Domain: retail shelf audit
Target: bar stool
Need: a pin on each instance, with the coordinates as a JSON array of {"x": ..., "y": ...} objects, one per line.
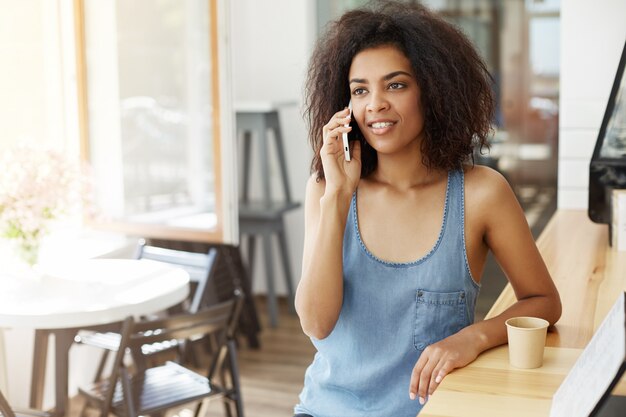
[{"x": 265, "y": 218}]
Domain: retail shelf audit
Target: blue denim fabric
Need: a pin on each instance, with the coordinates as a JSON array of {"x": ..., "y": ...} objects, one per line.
[{"x": 390, "y": 313}]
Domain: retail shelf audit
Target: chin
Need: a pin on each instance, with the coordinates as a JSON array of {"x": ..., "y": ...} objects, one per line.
[
  {"x": 386, "y": 148},
  {"x": 391, "y": 146}
]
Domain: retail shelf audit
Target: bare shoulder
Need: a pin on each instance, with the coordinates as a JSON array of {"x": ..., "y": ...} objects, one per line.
[
  {"x": 314, "y": 192},
  {"x": 491, "y": 203},
  {"x": 485, "y": 186},
  {"x": 315, "y": 188}
]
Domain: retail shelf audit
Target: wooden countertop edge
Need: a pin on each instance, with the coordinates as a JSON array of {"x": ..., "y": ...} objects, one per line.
[{"x": 507, "y": 296}]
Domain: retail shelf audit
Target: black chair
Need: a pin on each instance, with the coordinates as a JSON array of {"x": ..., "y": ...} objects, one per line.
[
  {"x": 144, "y": 390},
  {"x": 229, "y": 273},
  {"x": 201, "y": 269},
  {"x": 199, "y": 266},
  {"x": 7, "y": 411}
]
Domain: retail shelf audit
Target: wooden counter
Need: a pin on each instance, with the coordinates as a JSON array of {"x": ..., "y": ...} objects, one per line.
[{"x": 589, "y": 276}]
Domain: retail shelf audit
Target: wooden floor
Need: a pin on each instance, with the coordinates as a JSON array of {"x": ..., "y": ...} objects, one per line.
[{"x": 272, "y": 376}]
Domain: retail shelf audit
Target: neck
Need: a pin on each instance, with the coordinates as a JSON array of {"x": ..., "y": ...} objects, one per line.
[{"x": 404, "y": 170}]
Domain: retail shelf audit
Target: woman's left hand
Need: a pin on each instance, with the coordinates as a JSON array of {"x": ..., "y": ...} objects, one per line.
[{"x": 438, "y": 360}]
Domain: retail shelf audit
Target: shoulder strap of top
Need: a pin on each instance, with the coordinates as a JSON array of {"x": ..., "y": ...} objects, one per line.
[{"x": 455, "y": 202}]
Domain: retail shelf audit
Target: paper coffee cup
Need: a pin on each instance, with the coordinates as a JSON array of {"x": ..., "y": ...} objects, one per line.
[{"x": 527, "y": 338}]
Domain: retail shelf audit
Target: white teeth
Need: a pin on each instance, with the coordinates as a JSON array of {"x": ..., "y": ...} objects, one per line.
[{"x": 380, "y": 125}]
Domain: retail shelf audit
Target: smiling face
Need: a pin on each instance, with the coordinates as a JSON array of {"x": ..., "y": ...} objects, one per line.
[{"x": 386, "y": 99}]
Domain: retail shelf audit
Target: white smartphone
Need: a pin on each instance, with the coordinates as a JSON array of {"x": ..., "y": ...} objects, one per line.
[{"x": 346, "y": 145}]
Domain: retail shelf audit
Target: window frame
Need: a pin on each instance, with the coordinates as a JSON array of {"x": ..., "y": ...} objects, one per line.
[{"x": 226, "y": 228}]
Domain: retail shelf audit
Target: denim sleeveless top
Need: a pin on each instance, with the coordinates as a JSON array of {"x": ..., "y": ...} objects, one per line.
[{"x": 390, "y": 313}]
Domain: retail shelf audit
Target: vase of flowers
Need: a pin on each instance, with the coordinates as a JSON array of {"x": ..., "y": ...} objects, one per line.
[{"x": 37, "y": 186}]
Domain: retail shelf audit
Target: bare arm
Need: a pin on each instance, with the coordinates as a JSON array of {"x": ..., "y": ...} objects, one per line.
[
  {"x": 320, "y": 291},
  {"x": 509, "y": 238},
  {"x": 505, "y": 232}
]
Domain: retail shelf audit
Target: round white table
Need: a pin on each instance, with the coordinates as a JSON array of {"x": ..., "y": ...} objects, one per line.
[{"x": 86, "y": 294}]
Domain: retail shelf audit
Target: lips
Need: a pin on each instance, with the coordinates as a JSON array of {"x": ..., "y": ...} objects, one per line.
[{"x": 380, "y": 126}]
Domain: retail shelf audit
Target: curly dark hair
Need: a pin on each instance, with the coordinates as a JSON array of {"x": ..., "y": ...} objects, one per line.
[{"x": 456, "y": 87}]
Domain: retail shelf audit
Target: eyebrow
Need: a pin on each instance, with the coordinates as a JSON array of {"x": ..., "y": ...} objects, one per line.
[{"x": 385, "y": 78}]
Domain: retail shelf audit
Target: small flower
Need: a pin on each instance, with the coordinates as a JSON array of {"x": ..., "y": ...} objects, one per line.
[{"x": 37, "y": 186}]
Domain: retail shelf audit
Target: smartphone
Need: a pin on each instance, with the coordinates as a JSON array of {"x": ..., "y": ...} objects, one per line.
[{"x": 346, "y": 145}]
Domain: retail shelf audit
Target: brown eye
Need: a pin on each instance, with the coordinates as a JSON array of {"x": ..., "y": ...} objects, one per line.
[{"x": 396, "y": 86}]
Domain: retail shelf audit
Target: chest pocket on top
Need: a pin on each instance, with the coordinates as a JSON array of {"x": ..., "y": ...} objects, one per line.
[{"x": 437, "y": 316}]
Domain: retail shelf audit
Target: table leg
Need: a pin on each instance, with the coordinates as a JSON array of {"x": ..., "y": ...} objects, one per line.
[
  {"x": 269, "y": 272},
  {"x": 284, "y": 255},
  {"x": 264, "y": 159},
  {"x": 38, "y": 374},
  {"x": 251, "y": 246},
  {"x": 63, "y": 341},
  {"x": 247, "y": 145},
  {"x": 273, "y": 120}
]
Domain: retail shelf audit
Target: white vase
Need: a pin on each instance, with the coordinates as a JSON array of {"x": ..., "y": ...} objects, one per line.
[
  {"x": 28, "y": 252},
  {"x": 18, "y": 260}
]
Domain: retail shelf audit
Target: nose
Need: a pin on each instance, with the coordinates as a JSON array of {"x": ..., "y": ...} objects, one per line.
[{"x": 377, "y": 102}]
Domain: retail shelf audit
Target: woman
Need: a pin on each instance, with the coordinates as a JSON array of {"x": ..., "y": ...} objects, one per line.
[{"x": 396, "y": 238}]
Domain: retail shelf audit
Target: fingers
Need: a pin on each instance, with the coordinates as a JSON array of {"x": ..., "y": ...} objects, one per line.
[
  {"x": 416, "y": 375},
  {"x": 337, "y": 125},
  {"x": 333, "y": 130},
  {"x": 428, "y": 373},
  {"x": 439, "y": 373},
  {"x": 333, "y": 135},
  {"x": 437, "y": 361},
  {"x": 339, "y": 119},
  {"x": 424, "y": 381}
]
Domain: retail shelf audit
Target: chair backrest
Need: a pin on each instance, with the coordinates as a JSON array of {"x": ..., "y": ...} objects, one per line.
[
  {"x": 230, "y": 272},
  {"x": 220, "y": 320},
  {"x": 199, "y": 266},
  {"x": 5, "y": 408}
]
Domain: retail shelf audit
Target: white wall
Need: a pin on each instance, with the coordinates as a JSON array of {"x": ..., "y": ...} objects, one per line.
[
  {"x": 271, "y": 45},
  {"x": 592, "y": 37},
  {"x": 32, "y": 84}
]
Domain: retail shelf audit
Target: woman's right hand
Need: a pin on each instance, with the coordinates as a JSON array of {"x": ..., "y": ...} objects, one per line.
[{"x": 340, "y": 175}]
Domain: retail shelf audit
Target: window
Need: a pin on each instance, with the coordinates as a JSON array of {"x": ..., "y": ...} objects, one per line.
[{"x": 151, "y": 90}]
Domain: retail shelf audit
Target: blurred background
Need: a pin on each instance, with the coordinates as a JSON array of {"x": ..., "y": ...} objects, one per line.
[{"x": 152, "y": 93}]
